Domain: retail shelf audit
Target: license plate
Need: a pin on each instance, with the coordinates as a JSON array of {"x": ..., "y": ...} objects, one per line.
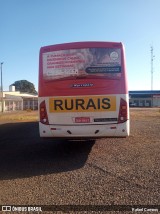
[{"x": 82, "y": 120}]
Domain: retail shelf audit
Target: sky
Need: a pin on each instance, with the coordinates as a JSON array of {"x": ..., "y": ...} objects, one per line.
[{"x": 27, "y": 25}]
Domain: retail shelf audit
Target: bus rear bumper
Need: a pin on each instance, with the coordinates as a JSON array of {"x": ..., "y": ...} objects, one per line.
[{"x": 70, "y": 131}]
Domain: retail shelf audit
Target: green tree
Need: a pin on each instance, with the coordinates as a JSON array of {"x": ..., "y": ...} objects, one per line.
[{"x": 25, "y": 86}]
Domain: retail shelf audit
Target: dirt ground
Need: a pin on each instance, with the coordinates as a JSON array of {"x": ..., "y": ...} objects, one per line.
[{"x": 107, "y": 171}]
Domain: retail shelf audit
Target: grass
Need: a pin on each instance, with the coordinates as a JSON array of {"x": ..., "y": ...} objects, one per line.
[{"x": 19, "y": 116}]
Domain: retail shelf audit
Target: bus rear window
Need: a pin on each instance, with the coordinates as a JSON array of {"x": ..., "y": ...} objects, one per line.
[{"x": 79, "y": 63}]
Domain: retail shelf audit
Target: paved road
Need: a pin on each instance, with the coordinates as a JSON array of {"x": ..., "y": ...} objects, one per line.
[{"x": 105, "y": 171}]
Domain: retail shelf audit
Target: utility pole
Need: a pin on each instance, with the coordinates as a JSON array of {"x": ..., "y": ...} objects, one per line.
[
  {"x": 2, "y": 88},
  {"x": 152, "y": 58}
]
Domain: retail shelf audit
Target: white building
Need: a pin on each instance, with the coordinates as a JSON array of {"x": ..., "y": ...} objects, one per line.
[{"x": 15, "y": 100}]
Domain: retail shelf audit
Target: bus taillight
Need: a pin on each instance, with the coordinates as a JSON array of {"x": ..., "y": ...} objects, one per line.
[
  {"x": 122, "y": 111},
  {"x": 43, "y": 114}
]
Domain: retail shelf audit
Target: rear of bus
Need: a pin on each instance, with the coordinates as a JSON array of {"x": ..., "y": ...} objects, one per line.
[{"x": 83, "y": 90}]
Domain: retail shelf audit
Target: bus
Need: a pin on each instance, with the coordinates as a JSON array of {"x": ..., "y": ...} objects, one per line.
[{"x": 83, "y": 90}]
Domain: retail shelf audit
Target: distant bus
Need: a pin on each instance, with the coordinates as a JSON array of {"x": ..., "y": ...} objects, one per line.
[{"x": 83, "y": 90}]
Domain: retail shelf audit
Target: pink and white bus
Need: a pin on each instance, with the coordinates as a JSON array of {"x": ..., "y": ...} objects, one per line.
[{"x": 83, "y": 90}]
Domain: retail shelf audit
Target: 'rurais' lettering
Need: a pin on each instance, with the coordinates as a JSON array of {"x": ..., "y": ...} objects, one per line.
[
  {"x": 106, "y": 103},
  {"x": 91, "y": 104},
  {"x": 82, "y": 104},
  {"x": 69, "y": 104},
  {"x": 57, "y": 105}
]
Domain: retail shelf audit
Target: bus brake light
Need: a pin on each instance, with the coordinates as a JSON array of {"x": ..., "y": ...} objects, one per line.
[
  {"x": 43, "y": 113},
  {"x": 122, "y": 111}
]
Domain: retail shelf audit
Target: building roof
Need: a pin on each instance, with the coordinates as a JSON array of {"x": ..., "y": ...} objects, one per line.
[
  {"x": 19, "y": 94},
  {"x": 144, "y": 92},
  {"x": 12, "y": 97}
]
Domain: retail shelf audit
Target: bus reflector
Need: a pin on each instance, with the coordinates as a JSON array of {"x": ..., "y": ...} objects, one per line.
[
  {"x": 113, "y": 127},
  {"x": 122, "y": 111},
  {"x": 53, "y": 129},
  {"x": 43, "y": 113}
]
